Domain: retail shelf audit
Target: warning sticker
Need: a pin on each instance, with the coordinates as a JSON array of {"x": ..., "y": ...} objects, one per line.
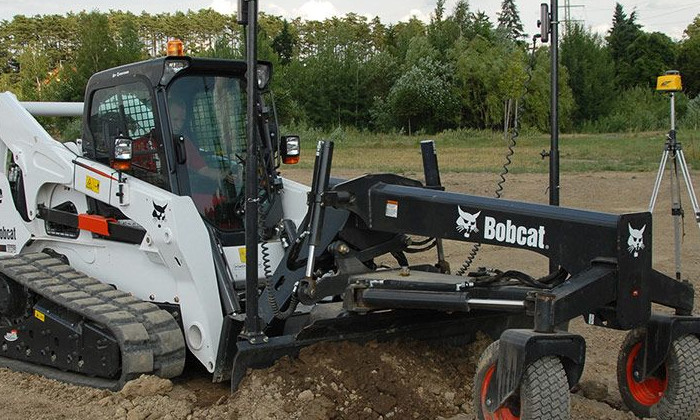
[
  {"x": 241, "y": 254},
  {"x": 38, "y": 315},
  {"x": 392, "y": 209},
  {"x": 92, "y": 184}
]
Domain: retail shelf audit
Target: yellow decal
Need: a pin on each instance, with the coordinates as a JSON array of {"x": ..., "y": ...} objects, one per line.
[
  {"x": 38, "y": 315},
  {"x": 241, "y": 253},
  {"x": 92, "y": 184}
]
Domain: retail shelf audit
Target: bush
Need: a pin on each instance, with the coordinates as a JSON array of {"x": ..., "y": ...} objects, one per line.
[
  {"x": 638, "y": 109},
  {"x": 691, "y": 119}
]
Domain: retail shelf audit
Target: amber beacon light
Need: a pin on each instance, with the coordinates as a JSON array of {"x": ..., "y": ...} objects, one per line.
[{"x": 176, "y": 48}]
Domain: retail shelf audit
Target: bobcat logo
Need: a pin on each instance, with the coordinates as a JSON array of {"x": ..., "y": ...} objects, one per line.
[
  {"x": 466, "y": 222},
  {"x": 159, "y": 212},
  {"x": 635, "y": 243}
]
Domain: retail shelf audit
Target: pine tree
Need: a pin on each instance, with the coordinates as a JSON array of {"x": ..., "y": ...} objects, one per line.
[
  {"x": 283, "y": 44},
  {"x": 591, "y": 73},
  {"x": 623, "y": 33},
  {"x": 509, "y": 20}
]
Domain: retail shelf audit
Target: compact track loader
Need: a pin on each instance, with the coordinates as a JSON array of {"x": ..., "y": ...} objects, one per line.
[{"x": 168, "y": 229}]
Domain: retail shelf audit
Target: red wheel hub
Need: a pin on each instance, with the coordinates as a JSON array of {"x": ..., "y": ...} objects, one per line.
[
  {"x": 649, "y": 391},
  {"x": 502, "y": 413}
]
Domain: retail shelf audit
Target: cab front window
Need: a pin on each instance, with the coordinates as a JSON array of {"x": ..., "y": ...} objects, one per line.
[{"x": 207, "y": 121}]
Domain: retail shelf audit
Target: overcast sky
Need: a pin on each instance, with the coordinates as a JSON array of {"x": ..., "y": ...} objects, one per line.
[{"x": 667, "y": 16}]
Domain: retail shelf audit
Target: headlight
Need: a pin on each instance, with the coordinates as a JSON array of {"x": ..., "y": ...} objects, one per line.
[
  {"x": 290, "y": 149},
  {"x": 122, "y": 153}
]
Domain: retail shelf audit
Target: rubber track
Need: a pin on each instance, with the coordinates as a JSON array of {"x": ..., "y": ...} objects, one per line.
[{"x": 149, "y": 338}]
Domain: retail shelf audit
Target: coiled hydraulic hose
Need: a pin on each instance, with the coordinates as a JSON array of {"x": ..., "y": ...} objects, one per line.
[{"x": 272, "y": 301}]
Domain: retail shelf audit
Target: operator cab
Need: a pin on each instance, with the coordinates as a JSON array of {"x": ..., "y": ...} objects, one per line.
[{"x": 185, "y": 119}]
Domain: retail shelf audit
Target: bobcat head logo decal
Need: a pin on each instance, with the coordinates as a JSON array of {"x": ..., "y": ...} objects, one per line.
[
  {"x": 466, "y": 222},
  {"x": 635, "y": 243},
  {"x": 159, "y": 212}
]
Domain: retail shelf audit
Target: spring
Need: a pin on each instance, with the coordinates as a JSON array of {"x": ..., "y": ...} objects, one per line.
[{"x": 271, "y": 300}]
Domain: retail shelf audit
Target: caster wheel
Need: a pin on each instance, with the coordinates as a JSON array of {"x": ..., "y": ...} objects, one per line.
[
  {"x": 673, "y": 391},
  {"x": 544, "y": 390}
]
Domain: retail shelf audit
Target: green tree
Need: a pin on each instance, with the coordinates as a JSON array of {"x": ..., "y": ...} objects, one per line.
[
  {"x": 96, "y": 52},
  {"x": 591, "y": 73},
  {"x": 421, "y": 99},
  {"x": 649, "y": 56},
  {"x": 34, "y": 76},
  {"x": 442, "y": 32},
  {"x": 693, "y": 30},
  {"x": 509, "y": 20},
  {"x": 689, "y": 58},
  {"x": 481, "y": 25},
  {"x": 399, "y": 36},
  {"x": 284, "y": 43},
  {"x": 622, "y": 34},
  {"x": 329, "y": 81},
  {"x": 130, "y": 48},
  {"x": 419, "y": 48},
  {"x": 486, "y": 74}
]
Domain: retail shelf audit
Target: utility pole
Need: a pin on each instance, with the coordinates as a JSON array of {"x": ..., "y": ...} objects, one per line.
[
  {"x": 554, "y": 107},
  {"x": 567, "y": 14}
]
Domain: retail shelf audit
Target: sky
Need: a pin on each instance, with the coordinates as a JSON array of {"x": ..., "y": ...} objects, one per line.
[{"x": 666, "y": 16}]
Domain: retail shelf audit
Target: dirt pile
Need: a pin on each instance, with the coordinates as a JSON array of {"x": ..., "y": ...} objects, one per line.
[
  {"x": 397, "y": 380},
  {"x": 371, "y": 381}
]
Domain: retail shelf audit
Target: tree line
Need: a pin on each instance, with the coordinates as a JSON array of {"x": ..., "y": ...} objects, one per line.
[{"x": 460, "y": 70}]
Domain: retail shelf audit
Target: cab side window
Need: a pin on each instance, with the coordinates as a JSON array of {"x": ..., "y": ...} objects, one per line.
[{"x": 127, "y": 110}]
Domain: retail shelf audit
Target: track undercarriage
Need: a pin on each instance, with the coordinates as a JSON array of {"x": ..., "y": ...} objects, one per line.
[{"x": 65, "y": 325}]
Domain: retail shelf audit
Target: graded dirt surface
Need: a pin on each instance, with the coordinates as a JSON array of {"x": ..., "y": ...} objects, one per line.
[{"x": 399, "y": 379}]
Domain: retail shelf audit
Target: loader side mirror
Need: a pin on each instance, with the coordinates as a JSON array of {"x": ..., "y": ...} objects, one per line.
[
  {"x": 123, "y": 153},
  {"x": 290, "y": 148},
  {"x": 242, "y": 14},
  {"x": 263, "y": 73}
]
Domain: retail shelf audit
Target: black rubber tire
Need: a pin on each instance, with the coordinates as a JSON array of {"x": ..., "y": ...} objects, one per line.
[
  {"x": 544, "y": 390},
  {"x": 681, "y": 398}
]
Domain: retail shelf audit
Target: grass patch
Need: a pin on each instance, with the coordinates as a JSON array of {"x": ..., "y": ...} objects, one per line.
[{"x": 484, "y": 151}]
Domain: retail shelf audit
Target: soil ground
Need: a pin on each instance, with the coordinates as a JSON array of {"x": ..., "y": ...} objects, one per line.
[{"x": 401, "y": 380}]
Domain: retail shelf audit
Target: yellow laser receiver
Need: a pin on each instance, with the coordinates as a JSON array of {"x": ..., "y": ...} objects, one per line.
[{"x": 669, "y": 82}]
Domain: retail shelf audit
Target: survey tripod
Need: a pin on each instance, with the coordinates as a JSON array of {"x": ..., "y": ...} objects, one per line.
[{"x": 671, "y": 82}]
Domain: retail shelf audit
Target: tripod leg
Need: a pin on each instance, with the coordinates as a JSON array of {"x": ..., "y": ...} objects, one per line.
[
  {"x": 657, "y": 183},
  {"x": 689, "y": 185},
  {"x": 676, "y": 212}
]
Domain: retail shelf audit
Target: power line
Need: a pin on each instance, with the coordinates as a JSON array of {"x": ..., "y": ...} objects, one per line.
[{"x": 672, "y": 12}]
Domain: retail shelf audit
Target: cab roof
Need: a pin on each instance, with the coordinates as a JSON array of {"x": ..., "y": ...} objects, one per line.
[{"x": 153, "y": 70}]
